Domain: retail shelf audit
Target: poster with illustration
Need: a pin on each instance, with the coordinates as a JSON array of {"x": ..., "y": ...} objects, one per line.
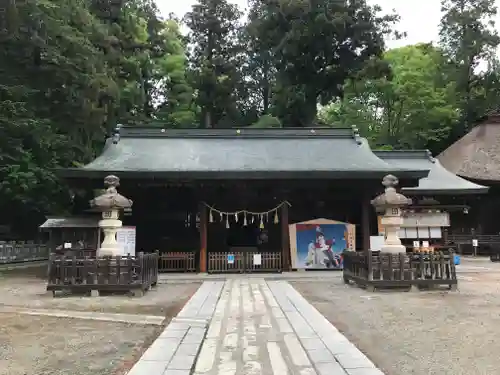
[{"x": 318, "y": 244}]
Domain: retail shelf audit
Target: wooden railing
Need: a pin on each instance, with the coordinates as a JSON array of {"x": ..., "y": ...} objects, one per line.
[
  {"x": 466, "y": 239},
  {"x": 487, "y": 244},
  {"x": 244, "y": 262},
  {"x": 72, "y": 274},
  {"x": 173, "y": 261},
  {"x": 384, "y": 270},
  {"x": 269, "y": 262},
  {"x": 18, "y": 253}
]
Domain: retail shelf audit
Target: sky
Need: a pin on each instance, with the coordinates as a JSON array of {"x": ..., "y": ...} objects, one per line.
[{"x": 419, "y": 18}]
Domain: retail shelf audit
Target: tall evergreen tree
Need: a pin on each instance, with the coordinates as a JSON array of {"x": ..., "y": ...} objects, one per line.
[
  {"x": 315, "y": 47},
  {"x": 215, "y": 58},
  {"x": 468, "y": 35}
]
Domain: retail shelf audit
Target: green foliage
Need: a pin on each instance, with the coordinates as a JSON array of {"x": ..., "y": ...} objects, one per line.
[
  {"x": 314, "y": 48},
  {"x": 469, "y": 38},
  {"x": 70, "y": 70},
  {"x": 267, "y": 121},
  {"x": 408, "y": 110},
  {"x": 214, "y": 59}
]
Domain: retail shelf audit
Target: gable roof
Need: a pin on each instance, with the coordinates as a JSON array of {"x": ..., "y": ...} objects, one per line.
[
  {"x": 477, "y": 154},
  {"x": 239, "y": 153},
  {"x": 70, "y": 222},
  {"x": 439, "y": 180}
]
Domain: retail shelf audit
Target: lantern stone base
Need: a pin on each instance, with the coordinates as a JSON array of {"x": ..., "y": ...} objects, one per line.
[
  {"x": 392, "y": 243},
  {"x": 393, "y": 249},
  {"x": 109, "y": 246}
]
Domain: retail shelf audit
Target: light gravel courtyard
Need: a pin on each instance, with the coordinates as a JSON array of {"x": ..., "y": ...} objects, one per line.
[
  {"x": 46, "y": 345},
  {"x": 420, "y": 333}
]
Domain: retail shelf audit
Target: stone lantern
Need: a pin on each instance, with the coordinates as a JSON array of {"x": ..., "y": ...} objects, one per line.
[
  {"x": 390, "y": 204},
  {"x": 110, "y": 203}
]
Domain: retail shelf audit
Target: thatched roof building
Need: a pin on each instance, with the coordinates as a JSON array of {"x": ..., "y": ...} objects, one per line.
[{"x": 476, "y": 156}]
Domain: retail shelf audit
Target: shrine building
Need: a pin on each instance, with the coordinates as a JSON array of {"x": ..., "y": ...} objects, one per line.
[{"x": 213, "y": 192}]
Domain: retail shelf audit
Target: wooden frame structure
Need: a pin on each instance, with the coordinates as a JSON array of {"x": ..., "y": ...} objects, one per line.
[
  {"x": 304, "y": 166},
  {"x": 376, "y": 270}
]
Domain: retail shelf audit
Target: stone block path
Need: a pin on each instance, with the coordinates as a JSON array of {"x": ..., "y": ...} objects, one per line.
[{"x": 248, "y": 326}]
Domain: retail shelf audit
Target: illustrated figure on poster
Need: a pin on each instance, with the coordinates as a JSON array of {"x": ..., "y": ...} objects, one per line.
[
  {"x": 313, "y": 258},
  {"x": 325, "y": 246},
  {"x": 320, "y": 252}
]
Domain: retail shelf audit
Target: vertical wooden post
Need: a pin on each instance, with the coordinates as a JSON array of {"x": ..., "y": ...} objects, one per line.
[
  {"x": 285, "y": 239},
  {"x": 365, "y": 222},
  {"x": 203, "y": 237}
]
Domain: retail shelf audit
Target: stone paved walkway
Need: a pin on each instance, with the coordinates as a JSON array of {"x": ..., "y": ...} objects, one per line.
[{"x": 248, "y": 326}]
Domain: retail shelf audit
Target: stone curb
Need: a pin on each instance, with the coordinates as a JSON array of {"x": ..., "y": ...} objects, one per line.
[
  {"x": 105, "y": 317},
  {"x": 174, "y": 351}
]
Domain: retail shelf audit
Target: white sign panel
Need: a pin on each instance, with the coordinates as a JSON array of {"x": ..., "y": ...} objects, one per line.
[
  {"x": 435, "y": 232},
  {"x": 376, "y": 243},
  {"x": 257, "y": 259},
  {"x": 426, "y": 219},
  {"x": 125, "y": 236}
]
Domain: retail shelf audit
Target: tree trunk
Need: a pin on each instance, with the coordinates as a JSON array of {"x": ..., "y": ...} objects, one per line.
[{"x": 265, "y": 86}]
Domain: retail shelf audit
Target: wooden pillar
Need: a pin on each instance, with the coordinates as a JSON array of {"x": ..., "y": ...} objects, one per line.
[
  {"x": 203, "y": 237},
  {"x": 365, "y": 222},
  {"x": 285, "y": 239}
]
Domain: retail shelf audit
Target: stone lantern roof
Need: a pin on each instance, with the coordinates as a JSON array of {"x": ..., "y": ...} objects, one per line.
[
  {"x": 390, "y": 198},
  {"x": 111, "y": 200}
]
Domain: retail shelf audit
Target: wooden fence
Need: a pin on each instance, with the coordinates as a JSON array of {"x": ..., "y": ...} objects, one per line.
[
  {"x": 488, "y": 244},
  {"x": 383, "y": 270},
  {"x": 19, "y": 253},
  {"x": 172, "y": 261},
  {"x": 72, "y": 274},
  {"x": 244, "y": 262}
]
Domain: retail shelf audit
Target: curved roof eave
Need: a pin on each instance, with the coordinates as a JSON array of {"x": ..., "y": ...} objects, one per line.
[{"x": 439, "y": 180}]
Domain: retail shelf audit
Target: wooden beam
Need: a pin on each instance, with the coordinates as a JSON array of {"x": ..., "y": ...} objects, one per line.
[
  {"x": 203, "y": 237},
  {"x": 365, "y": 222},
  {"x": 285, "y": 239}
]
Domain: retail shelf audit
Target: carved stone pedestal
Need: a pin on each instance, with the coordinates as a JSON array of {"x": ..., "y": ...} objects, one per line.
[
  {"x": 109, "y": 225},
  {"x": 390, "y": 203}
]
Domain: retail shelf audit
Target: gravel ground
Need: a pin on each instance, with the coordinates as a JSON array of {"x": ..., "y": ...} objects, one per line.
[
  {"x": 32, "y": 345},
  {"x": 41, "y": 345},
  {"x": 420, "y": 333},
  {"x": 27, "y": 288}
]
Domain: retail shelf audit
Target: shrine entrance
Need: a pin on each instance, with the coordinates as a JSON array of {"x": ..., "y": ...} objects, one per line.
[{"x": 245, "y": 241}]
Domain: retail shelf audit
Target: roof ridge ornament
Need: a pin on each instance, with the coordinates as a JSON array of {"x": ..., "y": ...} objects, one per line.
[
  {"x": 429, "y": 155},
  {"x": 116, "y": 133},
  {"x": 355, "y": 134}
]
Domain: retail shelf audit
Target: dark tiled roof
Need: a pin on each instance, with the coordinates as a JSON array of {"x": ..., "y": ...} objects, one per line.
[
  {"x": 439, "y": 180},
  {"x": 70, "y": 222},
  {"x": 233, "y": 153},
  {"x": 477, "y": 154}
]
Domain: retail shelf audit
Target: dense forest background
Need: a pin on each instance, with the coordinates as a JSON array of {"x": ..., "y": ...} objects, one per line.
[{"x": 70, "y": 70}]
